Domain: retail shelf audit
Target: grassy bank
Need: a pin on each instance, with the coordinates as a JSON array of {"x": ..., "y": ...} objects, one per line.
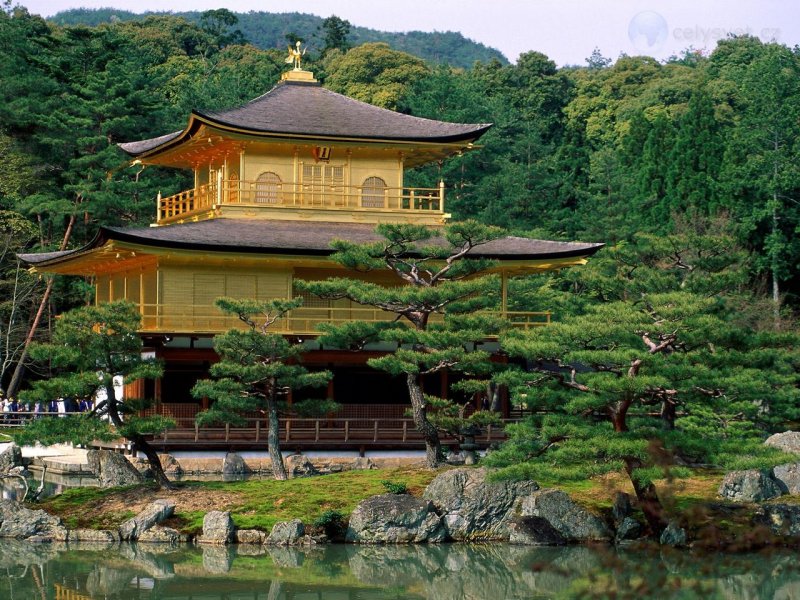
[
  {"x": 256, "y": 504},
  {"x": 259, "y": 504}
]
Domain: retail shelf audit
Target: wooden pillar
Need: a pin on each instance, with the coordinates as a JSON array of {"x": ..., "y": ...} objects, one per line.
[
  {"x": 330, "y": 395},
  {"x": 504, "y": 292}
]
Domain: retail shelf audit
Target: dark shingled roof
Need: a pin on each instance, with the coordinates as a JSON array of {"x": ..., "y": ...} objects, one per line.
[
  {"x": 299, "y": 237},
  {"x": 134, "y": 148},
  {"x": 43, "y": 257},
  {"x": 309, "y": 110}
]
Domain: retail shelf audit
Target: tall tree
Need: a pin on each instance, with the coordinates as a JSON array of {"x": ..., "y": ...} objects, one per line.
[
  {"x": 373, "y": 73},
  {"x": 218, "y": 23},
  {"x": 257, "y": 371},
  {"x": 762, "y": 170},
  {"x": 335, "y": 30}
]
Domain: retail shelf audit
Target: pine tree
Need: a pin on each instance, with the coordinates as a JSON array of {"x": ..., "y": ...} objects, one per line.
[
  {"x": 654, "y": 374},
  {"x": 256, "y": 372},
  {"x": 440, "y": 279},
  {"x": 90, "y": 346}
]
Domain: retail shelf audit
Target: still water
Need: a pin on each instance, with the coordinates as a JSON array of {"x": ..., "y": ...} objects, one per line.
[{"x": 496, "y": 572}]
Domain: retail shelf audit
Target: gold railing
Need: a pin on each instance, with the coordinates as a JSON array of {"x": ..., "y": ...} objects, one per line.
[
  {"x": 298, "y": 195},
  {"x": 209, "y": 319}
]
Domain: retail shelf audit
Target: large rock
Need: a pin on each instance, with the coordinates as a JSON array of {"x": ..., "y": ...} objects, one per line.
[
  {"x": 298, "y": 465},
  {"x": 170, "y": 465},
  {"x": 250, "y": 536},
  {"x": 10, "y": 457},
  {"x": 112, "y": 469},
  {"x": 363, "y": 463},
  {"x": 233, "y": 464},
  {"x": 788, "y": 441},
  {"x": 573, "y": 522},
  {"x": 629, "y": 529},
  {"x": 160, "y": 535},
  {"x": 753, "y": 485},
  {"x": 621, "y": 508},
  {"x": 153, "y": 514},
  {"x": 673, "y": 535},
  {"x": 788, "y": 478},
  {"x": 781, "y": 519},
  {"x": 395, "y": 519},
  {"x": 21, "y": 523},
  {"x": 534, "y": 531},
  {"x": 286, "y": 533},
  {"x": 473, "y": 508},
  {"x": 218, "y": 528},
  {"x": 94, "y": 536}
]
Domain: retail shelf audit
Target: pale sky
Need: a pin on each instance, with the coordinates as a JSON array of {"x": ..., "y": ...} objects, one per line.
[{"x": 565, "y": 30}]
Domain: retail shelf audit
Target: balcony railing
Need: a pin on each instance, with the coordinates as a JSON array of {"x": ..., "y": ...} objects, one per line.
[
  {"x": 302, "y": 321},
  {"x": 299, "y": 195}
]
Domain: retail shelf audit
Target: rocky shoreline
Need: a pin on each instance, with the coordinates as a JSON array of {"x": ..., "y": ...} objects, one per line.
[{"x": 459, "y": 505}]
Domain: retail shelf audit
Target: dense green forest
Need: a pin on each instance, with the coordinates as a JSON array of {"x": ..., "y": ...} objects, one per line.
[
  {"x": 271, "y": 30},
  {"x": 684, "y": 166}
]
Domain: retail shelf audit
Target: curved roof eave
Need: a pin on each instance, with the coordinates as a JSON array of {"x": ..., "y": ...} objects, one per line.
[
  {"x": 292, "y": 238},
  {"x": 467, "y": 136},
  {"x": 144, "y": 148}
]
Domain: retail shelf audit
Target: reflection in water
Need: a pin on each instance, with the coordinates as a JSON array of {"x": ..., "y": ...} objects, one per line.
[{"x": 86, "y": 571}]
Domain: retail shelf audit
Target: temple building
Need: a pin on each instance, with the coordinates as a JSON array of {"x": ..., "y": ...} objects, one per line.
[{"x": 275, "y": 181}]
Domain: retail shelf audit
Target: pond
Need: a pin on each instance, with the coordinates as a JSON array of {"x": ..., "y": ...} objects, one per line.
[{"x": 338, "y": 572}]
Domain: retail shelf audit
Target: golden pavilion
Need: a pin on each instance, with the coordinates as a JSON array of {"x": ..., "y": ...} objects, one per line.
[{"x": 275, "y": 182}]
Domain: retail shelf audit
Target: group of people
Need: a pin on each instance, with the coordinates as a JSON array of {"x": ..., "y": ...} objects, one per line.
[{"x": 16, "y": 413}]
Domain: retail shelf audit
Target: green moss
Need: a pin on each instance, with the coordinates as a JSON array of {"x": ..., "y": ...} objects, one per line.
[{"x": 264, "y": 503}]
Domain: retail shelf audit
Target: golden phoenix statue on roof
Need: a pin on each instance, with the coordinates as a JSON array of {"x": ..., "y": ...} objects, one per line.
[{"x": 295, "y": 55}]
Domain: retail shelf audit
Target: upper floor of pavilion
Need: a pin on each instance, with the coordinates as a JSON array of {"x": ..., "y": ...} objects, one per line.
[{"x": 303, "y": 152}]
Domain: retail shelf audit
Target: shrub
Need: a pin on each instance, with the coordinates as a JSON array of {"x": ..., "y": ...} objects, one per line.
[
  {"x": 394, "y": 487},
  {"x": 332, "y": 522}
]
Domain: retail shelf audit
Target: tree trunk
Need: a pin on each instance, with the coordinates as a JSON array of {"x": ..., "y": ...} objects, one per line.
[
  {"x": 433, "y": 447},
  {"x": 647, "y": 497},
  {"x": 619, "y": 414},
  {"x": 141, "y": 444},
  {"x": 274, "y": 441},
  {"x": 776, "y": 292},
  {"x": 668, "y": 413},
  {"x": 493, "y": 396},
  {"x": 16, "y": 378},
  {"x": 138, "y": 440}
]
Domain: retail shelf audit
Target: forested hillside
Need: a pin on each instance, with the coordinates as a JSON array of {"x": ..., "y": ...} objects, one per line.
[
  {"x": 272, "y": 30},
  {"x": 664, "y": 158}
]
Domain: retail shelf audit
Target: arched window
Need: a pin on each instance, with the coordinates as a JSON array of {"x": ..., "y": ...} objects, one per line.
[
  {"x": 373, "y": 192},
  {"x": 268, "y": 188}
]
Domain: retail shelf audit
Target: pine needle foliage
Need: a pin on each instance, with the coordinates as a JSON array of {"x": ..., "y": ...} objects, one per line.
[
  {"x": 257, "y": 371},
  {"x": 653, "y": 375},
  {"x": 437, "y": 323},
  {"x": 90, "y": 346}
]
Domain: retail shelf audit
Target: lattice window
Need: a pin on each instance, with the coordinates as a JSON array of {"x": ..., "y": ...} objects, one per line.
[
  {"x": 373, "y": 192},
  {"x": 268, "y": 188}
]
